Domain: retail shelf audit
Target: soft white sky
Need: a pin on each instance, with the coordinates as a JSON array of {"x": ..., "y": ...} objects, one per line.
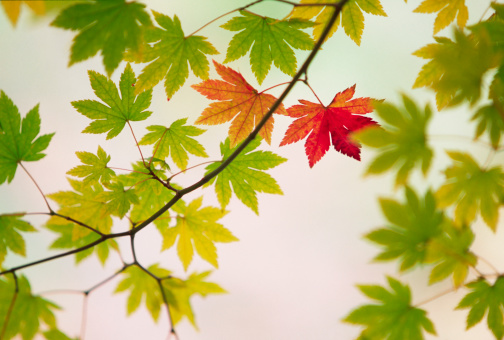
[{"x": 292, "y": 274}]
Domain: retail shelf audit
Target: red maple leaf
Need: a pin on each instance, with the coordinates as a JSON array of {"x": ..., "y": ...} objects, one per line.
[
  {"x": 237, "y": 101},
  {"x": 328, "y": 124}
]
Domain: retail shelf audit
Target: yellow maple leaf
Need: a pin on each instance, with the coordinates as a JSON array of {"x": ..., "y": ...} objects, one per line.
[
  {"x": 13, "y": 9},
  {"x": 447, "y": 11}
]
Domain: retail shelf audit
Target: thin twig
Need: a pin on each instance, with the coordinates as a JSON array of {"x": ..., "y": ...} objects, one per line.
[
  {"x": 68, "y": 218},
  {"x": 11, "y": 307}
]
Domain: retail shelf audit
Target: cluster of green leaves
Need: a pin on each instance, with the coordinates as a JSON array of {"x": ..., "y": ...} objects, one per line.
[{"x": 437, "y": 230}]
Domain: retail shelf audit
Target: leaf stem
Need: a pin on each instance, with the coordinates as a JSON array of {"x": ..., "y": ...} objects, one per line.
[
  {"x": 136, "y": 142},
  {"x": 129, "y": 170},
  {"x": 38, "y": 187},
  {"x": 437, "y": 296},
  {"x": 307, "y": 84},
  {"x": 11, "y": 307},
  {"x": 68, "y": 218},
  {"x": 192, "y": 167}
]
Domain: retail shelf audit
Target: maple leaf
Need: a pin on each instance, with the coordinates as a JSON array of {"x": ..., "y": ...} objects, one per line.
[
  {"x": 245, "y": 174},
  {"x": 28, "y": 311},
  {"x": 451, "y": 255},
  {"x": 237, "y": 101},
  {"x": 10, "y": 238},
  {"x": 473, "y": 188},
  {"x": 121, "y": 110},
  {"x": 351, "y": 17},
  {"x": 270, "y": 39},
  {"x": 174, "y": 141},
  {"x": 413, "y": 225},
  {"x": 448, "y": 10},
  {"x": 329, "y": 124},
  {"x": 118, "y": 200},
  {"x": 489, "y": 118},
  {"x": 402, "y": 142},
  {"x": 15, "y": 145},
  {"x": 394, "y": 317},
  {"x": 56, "y": 334},
  {"x": 170, "y": 55},
  {"x": 199, "y": 227},
  {"x": 111, "y": 26},
  {"x": 483, "y": 297},
  {"x": 456, "y": 68},
  {"x": 183, "y": 290},
  {"x": 13, "y": 8},
  {"x": 95, "y": 168}
]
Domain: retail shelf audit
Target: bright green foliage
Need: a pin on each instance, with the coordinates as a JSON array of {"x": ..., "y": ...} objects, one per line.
[
  {"x": 111, "y": 26},
  {"x": 246, "y": 175},
  {"x": 17, "y": 139},
  {"x": 175, "y": 141},
  {"x": 182, "y": 291},
  {"x": 270, "y": 39},
  {"x": 196, "y": 227},
  {"x": 351, "y": 17},
  {"x": 56, "y": 334},
  {"x": 450, "y": 252},
  {"x": 412, "y": 227},
  {"x": 402, "y": 142},
  {"x": 143, "y": 287},
  {"x": 118, "y": 200},
  {"x": 394, "y": 318},
  {"x": 456, "y": 68},
  {"x": 170, "y": 55},
  {"x": 152, "y": 195},
  {"x": 28, "y": 312},
  {"x": 66, "y": 240},
  {"x": 95, "y": 168},
  {"x": 448, "y": 10},
  {"x": 483, "y": 297},
  {"x": 120, "y": 110},
  {"x": 472, "y": 188},
  {"x": 10, "y": 238}
]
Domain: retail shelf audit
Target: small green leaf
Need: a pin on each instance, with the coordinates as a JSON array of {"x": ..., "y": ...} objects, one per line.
[
  {"x": 394, "y": 317},
  {"x": 118, "y": 200},
  {"x": 120, "y": 110},
  {"x": 245, "y": 175},
  {"x": 175, "y": 141},
  {"x": 95, "y": 168},
  {"x": 10, "y": 238}
]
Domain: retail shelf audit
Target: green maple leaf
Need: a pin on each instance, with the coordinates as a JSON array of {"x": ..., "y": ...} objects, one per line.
[
  {"x": 245, "y": 174},
  {"x": 451, "y": 255},
  {"x": 120, "y": 110},
  {"x": 95, "y": 168},
  {"x": 489, "y": 119},
  {"x": 182, "y": 291},
  {"x": 143, "y": 287},
  {"x": 170, "y": 55},
  {"x": 118, "y": 200},
  {"x": 269, "y": 39},
  {"x": 472, "y": 188},
  {"x": 483, "y": 297},
  {"x": 456, "y": 68},
  {"x": 448, "y": 10},
  {"x": 56, "y": 334},
  {"x": 413, "y": 225},
  {"x": 394, "y": 318},
  {"x": 28, "y": 312},
  {"x": 196, "y": 228},
  {"x": 111, "y": 26},
  {"x": 152, "y": 195},
  {"x": 175, "y": 141},
  {"x": 351, "y": 17},
  {"x": 10, "y": 238},
  {"x": 17, "y": 139},
  {"x": 402, "y": 142}
]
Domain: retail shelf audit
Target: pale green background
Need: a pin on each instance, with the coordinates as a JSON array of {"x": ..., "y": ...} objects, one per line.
[{"x": 292, "y": 275}]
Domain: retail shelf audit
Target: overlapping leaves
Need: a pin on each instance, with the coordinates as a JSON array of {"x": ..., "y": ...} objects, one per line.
[
  {"x": 120, "y": 109},
  {"x": 269, "y": 41},
  {"x": 402, "y": 142},
  {"x": 245, "y": 176},
  {"x": 18, "y": 138},
  {"x": 351, "y": 17},
  {"x": 112, "y": 26},
  {"x": 170, "y": 55},
  {"x": 393, "y": 317}
]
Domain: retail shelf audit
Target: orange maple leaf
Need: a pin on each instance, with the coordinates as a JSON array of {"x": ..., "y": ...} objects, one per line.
[
  {"x": 237, "y": 101},
  {"x": 329, "y": 124}
]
